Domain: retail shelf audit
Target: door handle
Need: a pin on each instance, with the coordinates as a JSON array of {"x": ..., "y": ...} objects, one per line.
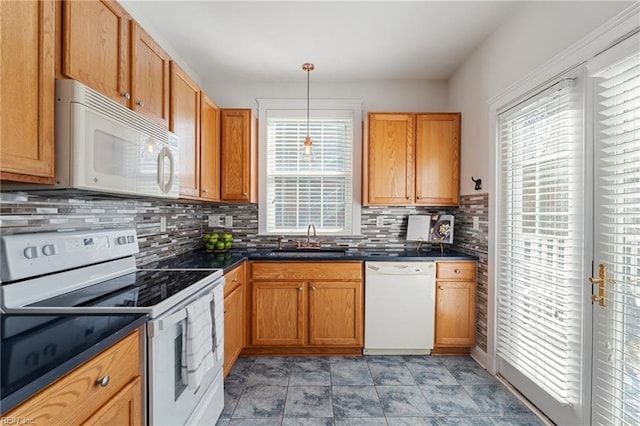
[{"x": 601, "y": 280}]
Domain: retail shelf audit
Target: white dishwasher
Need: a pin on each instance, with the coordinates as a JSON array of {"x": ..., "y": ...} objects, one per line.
[{"x": 399, "y": 310}]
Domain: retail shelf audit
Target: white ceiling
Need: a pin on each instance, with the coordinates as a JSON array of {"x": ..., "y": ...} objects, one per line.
[{"x": 346, "y": 40}]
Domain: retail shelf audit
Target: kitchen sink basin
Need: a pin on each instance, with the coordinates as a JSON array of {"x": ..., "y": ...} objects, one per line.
[{"x": 308, "y": 252}]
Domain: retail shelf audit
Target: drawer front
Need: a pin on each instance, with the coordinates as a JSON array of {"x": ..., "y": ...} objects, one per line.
[
  {"x": 233, "y": 279},
  {"x": 76, "y": 396},
  {"x": 456, "y": 270},
  {"x": 306, "y": 270}
]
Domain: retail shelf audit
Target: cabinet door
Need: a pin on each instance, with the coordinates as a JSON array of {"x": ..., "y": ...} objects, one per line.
[
  {"x": 149, "y": 77},
  {"x": 123, "y": 409},
  {"x": 278, "y": 313},
  {"x": 237, "y": 174},
  {"x": 233, "y": 327},
  {"x": 438, "y": 159},
  {"x": 335, "y": 313},
  {"x": 96, "y": 47},
  {"x": 455, "y": 313},
  {"x": 209, "y": 149},
  {"x": 390, "y": 167},
  {"x": 185, "y": 123},
  {"x": 27, "y": 90}
]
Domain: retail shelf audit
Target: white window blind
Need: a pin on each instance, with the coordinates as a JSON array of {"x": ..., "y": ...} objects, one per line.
[
  {"x": 540, "y": 243},
  {"x": 300, "y": 192},
  {"x": 616, "y": 394}
]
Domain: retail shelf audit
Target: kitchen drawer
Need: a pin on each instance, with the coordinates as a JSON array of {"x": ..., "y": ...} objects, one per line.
[
  {"x": 233, "y": 279},
  {"x": 76, "y": 396},
  {"x": 306, "y": 270},
  {"x": 456, "y": 270}
]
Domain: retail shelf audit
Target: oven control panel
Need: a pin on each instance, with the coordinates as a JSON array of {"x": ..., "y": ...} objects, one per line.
[{"x": 28, "y": 255}]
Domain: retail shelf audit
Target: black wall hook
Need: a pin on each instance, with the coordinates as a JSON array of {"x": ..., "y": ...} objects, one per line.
[{"x": 478, "y": 183}]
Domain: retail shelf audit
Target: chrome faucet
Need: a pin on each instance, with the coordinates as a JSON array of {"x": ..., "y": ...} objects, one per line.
[{"x": 311, "y": 225}]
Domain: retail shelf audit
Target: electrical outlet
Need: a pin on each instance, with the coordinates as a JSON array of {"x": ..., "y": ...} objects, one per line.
[
  {"x": 379, "y": 221},
  {"x": 163, "y": 224},
  {"x": 476, "y": 222},
  {"x": 215, "y": 220},
  {"x": 228, "y": 221}
]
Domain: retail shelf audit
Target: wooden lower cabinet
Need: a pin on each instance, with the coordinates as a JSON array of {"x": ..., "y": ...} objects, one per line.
[
  {"x": 306, "y": 308},
  {"x": 234, "y": 314},
  {"x": 78, "y": 398},
  {"x": 335, "y": 313},
  {"x": 123, "y": 409},
  {"x": 455, "y": 325}
]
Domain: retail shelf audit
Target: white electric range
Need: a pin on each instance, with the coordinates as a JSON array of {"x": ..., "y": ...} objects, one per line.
[{"x": 95, "y": 272}]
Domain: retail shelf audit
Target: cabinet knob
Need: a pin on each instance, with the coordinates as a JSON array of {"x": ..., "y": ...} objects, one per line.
[
  {"x": 457, "y": 271},
  {"x": 204, "y": 191},
  {"x": 300, "y": 288},
  {"x": 408, "y": 198},
  {"x": 244, "y": 194},
  {"x": 234, "y": 280},
  {"x": 313, "y": 288},
  {"x": 126, "y": 95},
  {"x": 140, "y": 104},
  {"x": 103, "y": 382},
  {"x": 441, "y": 288},
  {"x": 418, "y": 197}
]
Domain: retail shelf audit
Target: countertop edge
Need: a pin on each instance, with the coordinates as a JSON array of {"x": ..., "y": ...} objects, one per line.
[{"x": 29, "y": 390}]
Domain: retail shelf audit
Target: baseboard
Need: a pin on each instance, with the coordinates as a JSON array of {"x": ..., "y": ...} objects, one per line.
[{"x": 480, "y": 356}]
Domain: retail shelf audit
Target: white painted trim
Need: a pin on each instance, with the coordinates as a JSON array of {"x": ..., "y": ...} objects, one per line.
[{"x": 480, "y": 356}]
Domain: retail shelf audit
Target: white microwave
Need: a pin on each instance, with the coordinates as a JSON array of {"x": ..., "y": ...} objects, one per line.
[{"x": 102, "y": 146}]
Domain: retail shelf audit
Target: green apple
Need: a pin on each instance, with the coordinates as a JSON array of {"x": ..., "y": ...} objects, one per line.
[
  {"x": 227, "y": 245},
  {"x": 205, "y": 237},
  {"x": 220, "y": 245},
  {"x": 209, "y": 246},
  {"x": 227, "y": 237}
]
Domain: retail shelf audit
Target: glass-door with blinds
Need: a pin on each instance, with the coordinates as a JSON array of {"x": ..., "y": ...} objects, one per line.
[
  {"x": 615, "y": 78},
  {"x": 568, "y": 265},
  {"x": 541, "y": 264}
]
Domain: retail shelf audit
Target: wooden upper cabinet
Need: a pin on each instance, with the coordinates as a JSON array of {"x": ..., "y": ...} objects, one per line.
[
  {"x": 238, "y": 167},
  {"x": 184, "y": 121},
  {"x": 149, "y": 76},
  {"x": 390, "y": 152},
  {"x": 404, "y": 167},
  {"x": 96, "y": 47},
  {"x": 209, "y": 149},
  {"x": 438, "y": 159},
  {"x": 27, "y": 91}
]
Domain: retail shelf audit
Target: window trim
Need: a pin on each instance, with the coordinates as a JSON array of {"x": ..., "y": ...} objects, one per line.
[{"x": 352, "y": 106}]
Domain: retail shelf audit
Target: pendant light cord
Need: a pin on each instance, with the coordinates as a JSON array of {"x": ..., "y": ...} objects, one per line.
[{"x": 308, "y": 70}]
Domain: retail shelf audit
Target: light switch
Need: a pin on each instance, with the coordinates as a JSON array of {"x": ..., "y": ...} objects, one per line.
[
  {"x": 228, "y": 221},
  {"x": 379, "y": 221}
]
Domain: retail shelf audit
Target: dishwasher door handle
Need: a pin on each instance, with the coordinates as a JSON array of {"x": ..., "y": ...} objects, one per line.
[{"x": 398, "y": 270}]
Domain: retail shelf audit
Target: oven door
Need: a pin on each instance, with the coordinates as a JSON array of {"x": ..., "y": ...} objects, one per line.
[{"x": 171, "y": 402}]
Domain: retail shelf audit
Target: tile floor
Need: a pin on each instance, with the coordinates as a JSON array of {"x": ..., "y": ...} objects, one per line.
[{"x": 369, "y": 390}]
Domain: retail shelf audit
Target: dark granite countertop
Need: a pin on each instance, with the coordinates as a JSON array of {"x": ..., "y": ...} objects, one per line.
[
  {"x": 200, "y": 259},
  {"x": 37, "y": 350}
]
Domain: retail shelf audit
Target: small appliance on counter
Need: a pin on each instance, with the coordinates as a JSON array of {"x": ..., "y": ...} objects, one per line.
[{"x": 435, "y": 229}]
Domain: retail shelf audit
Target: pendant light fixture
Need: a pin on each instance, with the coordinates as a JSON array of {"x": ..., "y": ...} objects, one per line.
[{"x": 307, "y": 148}]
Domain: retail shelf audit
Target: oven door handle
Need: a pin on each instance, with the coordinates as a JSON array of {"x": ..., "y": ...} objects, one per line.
[{"x": 156, "y": 326}]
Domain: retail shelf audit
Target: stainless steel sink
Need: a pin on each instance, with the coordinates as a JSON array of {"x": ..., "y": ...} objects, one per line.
[{"x": 308, "y": 252}]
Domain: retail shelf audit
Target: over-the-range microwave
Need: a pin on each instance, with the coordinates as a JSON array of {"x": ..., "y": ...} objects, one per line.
[{"x": 102, "y": 146}]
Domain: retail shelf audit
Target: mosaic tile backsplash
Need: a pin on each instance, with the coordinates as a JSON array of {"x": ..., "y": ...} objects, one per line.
[{"x": 187, "y": 220}]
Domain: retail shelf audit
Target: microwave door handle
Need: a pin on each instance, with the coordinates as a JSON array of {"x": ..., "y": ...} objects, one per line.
[
  {"x": 172, "y": 162},
  {"x": 160, "y": 169}
]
